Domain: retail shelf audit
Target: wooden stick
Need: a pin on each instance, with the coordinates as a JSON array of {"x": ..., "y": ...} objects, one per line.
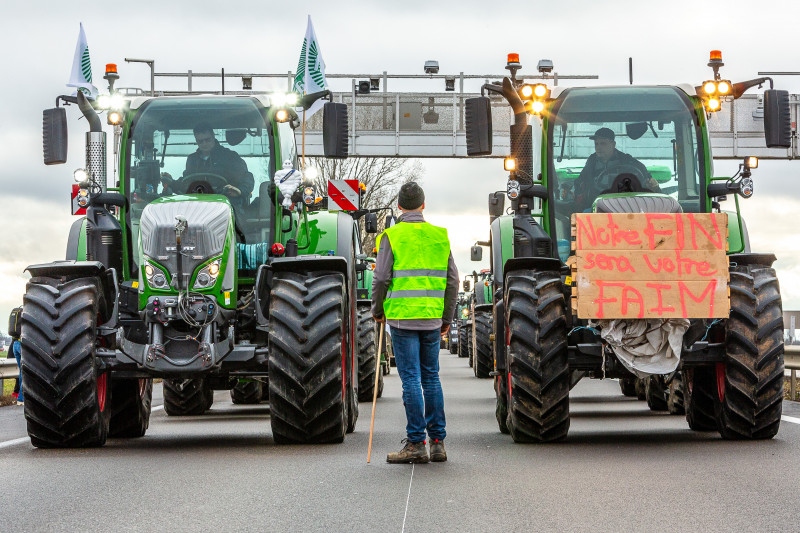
[{"x": 375, "y": 390}]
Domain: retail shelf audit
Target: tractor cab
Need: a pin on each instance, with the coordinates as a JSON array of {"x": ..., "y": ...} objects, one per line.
[
  {"x": 165, "y": 161},
  {"x": 607, "y": 142}
]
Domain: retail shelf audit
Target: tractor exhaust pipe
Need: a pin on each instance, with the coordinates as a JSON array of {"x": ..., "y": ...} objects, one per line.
[{"x": 95, "y": 143}]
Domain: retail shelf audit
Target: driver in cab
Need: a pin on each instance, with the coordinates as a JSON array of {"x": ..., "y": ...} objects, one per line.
[
  {"x": 604, "y": 166},
  {"x": 211, "y": 158}
]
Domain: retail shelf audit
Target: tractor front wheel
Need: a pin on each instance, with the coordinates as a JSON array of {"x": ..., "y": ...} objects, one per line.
[
  {"x": 306, "y": 358},
  {"x": 483, "y": 359},
  {"x": 675, "y": 403},
  {"x": 538, "y": 364},
  {"x": 367, "y": 353},
  {"x": 750, "y": 382},
  {"x": 67, "y": 401}
]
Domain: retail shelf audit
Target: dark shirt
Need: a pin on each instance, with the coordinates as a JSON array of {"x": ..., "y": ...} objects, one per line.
[
  {"x": 382, "y": 276},
  {"x": 597, "y": 176},
  {"x": 224, "y": 162}
]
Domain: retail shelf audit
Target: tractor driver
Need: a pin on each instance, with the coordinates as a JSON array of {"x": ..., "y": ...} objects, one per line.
[
  {"x": 213, "y": 158},
  {"x": 603, "y": 167}
]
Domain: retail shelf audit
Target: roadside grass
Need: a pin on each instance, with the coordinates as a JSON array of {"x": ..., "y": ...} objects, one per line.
[{"x": 786, "y": 389}]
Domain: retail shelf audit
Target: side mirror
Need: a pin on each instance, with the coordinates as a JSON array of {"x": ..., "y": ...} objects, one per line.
[
  {"x": 777, "y": 119},
  {"x": 478, "y": 125},
  {"x": 466, "y": 285},
  {"x": 390, "y": 221},
  {"x": 476, "y": 253},
  {"x": 371, "y": 223},
  {"x": 497, "y": 203},
  {"x": 334, "y": 130},
  {"x": 54, "y": 136}
]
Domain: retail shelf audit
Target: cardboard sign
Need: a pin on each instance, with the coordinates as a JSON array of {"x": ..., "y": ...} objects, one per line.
[{"x": 650, "y": 265}]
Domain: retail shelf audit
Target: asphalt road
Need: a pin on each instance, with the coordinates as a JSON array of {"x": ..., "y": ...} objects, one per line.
[{"x": 622, "y": 468}]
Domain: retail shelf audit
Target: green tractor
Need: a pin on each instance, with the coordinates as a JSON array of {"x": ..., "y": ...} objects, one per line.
[
  {"x": 199, "y": 280},
  {"x": 464, "y": 310},
  {"x": 482, "y": 356},
  {"x": 731, "y": 367}
]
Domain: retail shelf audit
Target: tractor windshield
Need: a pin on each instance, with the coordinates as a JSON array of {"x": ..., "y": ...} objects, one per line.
[
  {"x": 205, "y": 145},
  {"x": 623, "y": 139}
]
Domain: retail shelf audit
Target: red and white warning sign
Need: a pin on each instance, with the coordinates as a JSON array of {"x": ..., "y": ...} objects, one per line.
[
  {"x": 343, "y": 195},
  {"x": 76, "y": 206}
]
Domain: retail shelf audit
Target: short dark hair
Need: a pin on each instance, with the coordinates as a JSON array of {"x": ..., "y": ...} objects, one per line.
[{"x": 203, "y": 128}]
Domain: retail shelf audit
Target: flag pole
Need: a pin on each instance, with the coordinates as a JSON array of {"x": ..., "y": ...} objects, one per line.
[
  {"x": 375, "y": 390},
  {"x": 304, "y": 139}
]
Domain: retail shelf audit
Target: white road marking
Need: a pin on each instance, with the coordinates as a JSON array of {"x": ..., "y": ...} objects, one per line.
[
  {"x": 408, "y": 498},
  {"x": 14, "y": 442},
  {"x": 791, "y": 419}
]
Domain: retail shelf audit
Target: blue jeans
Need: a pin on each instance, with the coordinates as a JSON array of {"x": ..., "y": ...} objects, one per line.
[
  {"x": 16, "y": 347},
  {"x": 417, "y": 356}
]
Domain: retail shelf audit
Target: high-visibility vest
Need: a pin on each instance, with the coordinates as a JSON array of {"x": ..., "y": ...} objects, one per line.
[{"x": 419, "y": 275}]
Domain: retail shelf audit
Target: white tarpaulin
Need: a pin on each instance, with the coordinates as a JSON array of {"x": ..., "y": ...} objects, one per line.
[{"x": 645, "y": 346}]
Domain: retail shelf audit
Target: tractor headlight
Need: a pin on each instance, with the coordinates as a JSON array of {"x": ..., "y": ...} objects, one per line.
[
  {"x": 751, "y": 162},
  {"x": 526, "y": 91},
  {"x": 156, "y": 278},
  {"x": 510, "y": 164},
  {"x": 724, "y": 87},
  {"x": 713, "y": 104},
  {"x": 309, "y": 196},
  {"x": 540, "y": 90},
  {"x": 537, "y": 107},
  {"x": 207, "y": 277},
  {"x": 464, "y": 313},
  {"x": 114, "y": 117},
  {"x": 710, "y": 87},
  {"x": 281, "y": 115}
]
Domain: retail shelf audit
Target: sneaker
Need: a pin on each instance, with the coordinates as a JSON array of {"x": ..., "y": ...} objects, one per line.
[
  {"x": 412, "y": 452},
  {"x": 438, "y": 455},
  {"x": 20, "y": 403}
]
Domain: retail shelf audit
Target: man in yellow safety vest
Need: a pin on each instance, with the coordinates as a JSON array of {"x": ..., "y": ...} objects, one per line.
[{"x": 414, "y": 289}]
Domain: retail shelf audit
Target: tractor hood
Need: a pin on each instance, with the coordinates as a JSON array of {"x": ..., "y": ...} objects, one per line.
[{"x": 208, "y": 220}]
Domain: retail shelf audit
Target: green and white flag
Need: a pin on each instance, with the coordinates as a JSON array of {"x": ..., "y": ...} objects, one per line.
[
  {"x": 81, "y": 76},
  {"x": 310, "y": 77}
]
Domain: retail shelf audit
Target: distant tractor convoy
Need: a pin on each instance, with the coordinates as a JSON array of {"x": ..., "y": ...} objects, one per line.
[{"x": 207, "y": 262}]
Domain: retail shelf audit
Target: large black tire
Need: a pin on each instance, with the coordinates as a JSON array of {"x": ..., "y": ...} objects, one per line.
[
  {"x": 675, "y": 404},
  {"x": 536, "y": 316},
  {"x": 452, "y": 346},
  {"x": 628, "y": 386},
  {"x": 463, "y": 347},
  {"x": 67, "y": 403},
  {"x": 367, "y": 353},
  {"x": 209, "y": 395},
  {"x": 700, "y": 396},
  {"x": 130, "y": 408},
  {"x": 501, "y": 403},
  {"x": 470, "y": 347},
  {"x": 483, "y": 362},
  {"x": 185, "y": 397},
  {"x": 751, "y": 397},
  {"x": 247, "y": 392},
  {"x": 307, "y": 346},
  {"x": 639, "y": 388},
  {"x": 655, "y": 391}
]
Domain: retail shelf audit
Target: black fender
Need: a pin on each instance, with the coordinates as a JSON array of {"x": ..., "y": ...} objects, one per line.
[
  {"x": 752, "y": 259},
  {"x": 532, "y": 263},
  {"x": 71, "y": 269},
  {"x": 483, "y": 307},
  {"x": 73, "y": 241},
  {"x": 499, "y": 343},
  {"x": 300, "y": 263}
]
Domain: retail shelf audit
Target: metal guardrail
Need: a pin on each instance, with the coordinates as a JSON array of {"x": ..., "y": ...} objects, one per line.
[{"x": 8, "y": 369}]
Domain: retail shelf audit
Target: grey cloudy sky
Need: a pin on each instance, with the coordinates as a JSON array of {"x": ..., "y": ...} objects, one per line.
[{"x": 669, "y": 43}]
